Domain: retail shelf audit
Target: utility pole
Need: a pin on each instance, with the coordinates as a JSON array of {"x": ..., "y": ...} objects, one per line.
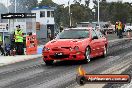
[
  {"x": 15, "y": 6},
  {"x": 70, "y": 12},
  {"x": 98, "y": 14},
  {"x": 7, "y": 7}
]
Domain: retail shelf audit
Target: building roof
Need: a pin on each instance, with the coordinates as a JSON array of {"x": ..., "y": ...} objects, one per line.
[{"x": 43, "y": 7}]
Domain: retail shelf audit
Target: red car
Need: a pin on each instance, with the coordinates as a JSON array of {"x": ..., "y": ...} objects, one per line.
[{"x": 75, "y": 44}]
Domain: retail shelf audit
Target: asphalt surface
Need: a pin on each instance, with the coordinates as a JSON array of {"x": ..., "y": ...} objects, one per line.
[{"x": 35, "y": 74}]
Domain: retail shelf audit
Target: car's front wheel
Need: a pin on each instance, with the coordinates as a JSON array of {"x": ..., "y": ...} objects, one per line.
[
  {"x": 87, "y": 54},
  {"x": 105, "y": 51},
  {"x": 49, "y": 62}
]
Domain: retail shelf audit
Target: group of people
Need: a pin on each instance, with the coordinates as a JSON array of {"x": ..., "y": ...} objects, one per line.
[
  {"x": 16, "y": 45},
  {"x": 119, "y": 26}
]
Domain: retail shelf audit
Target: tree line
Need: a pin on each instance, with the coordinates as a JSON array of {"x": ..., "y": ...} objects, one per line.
[{"x": 109, "y": 11}]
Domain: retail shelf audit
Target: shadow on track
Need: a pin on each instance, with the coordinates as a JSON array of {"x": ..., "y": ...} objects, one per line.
[{"x": 73, "y": 63}]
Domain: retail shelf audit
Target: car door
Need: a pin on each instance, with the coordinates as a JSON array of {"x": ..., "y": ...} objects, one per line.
[
  {"x": 94, "y": 44},
  {"x": 101, "y": 40}
]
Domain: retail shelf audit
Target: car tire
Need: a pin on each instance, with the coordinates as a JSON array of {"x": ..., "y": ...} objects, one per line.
[
  {"x": 105, "y": 51},
  {"x": 87, "y": 54},
  {"x": 49, "y": 62}
]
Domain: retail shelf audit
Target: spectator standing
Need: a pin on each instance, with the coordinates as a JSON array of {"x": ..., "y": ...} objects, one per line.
[
  {"x": 120, "y": 29},
  {"x": 116, "y": 28},
  {"x": 49, "y": 33},
  {"x": 19, "y": 41}
]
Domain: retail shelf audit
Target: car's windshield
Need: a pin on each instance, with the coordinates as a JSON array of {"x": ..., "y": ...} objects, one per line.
[{"x": 73, "y": 34}]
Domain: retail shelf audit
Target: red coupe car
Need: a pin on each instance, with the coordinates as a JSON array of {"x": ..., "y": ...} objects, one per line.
[{"x": 75, "y": 44}]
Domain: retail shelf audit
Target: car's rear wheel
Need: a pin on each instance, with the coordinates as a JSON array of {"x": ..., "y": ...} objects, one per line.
[
  {"x": 87, "y": 54},
  {"x": 49, "y": 62}
]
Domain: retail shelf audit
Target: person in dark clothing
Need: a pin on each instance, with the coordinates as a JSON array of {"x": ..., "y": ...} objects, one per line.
[
  {"x": 123, "y": 27},
  {"x": 2, "y": 51},
  {"x": 7, "y": 49},
  {"x": 49, "y": 33}
]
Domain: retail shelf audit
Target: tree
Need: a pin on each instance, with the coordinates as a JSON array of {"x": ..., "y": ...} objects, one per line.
[
  {"x": 47, "y": 3},
  {"x": 103, "y": 0},
  {"x": 113, "y": 11},
  {"x": 22, "y": 5},
  {"x": 79, "y": 12},
  {"x": 59, "y": 15},
  {"x": 77, "y": 1},
  {"x": 87, "y": 2}
]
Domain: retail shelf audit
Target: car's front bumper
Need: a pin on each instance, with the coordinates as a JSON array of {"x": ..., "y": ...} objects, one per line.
[{"x": 75, "y": 55}]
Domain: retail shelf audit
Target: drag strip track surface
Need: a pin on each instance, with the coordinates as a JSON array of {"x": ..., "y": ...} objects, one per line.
[{"x": 34, "y": 73}]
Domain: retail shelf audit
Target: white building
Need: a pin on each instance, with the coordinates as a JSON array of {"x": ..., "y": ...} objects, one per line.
[{"x": 45, "y": 16}]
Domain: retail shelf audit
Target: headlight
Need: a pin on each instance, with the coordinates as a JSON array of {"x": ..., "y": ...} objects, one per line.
[
  {"x": 46, "y": 49},
  {"x": 76, "y": 48}
]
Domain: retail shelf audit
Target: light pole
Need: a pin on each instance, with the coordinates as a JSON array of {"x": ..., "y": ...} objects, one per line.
[
  {"x": 70, "y": 12},
  {"x": 15, "y": 6},
  {"x": 98, "y": 14},
  {"x": 7, "y": 7}
]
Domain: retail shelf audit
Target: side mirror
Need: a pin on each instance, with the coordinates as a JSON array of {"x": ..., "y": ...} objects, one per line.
[{"x": 95, "y": 37}]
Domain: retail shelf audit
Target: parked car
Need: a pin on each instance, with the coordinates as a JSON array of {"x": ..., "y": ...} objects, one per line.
[
  {"x": 128, "y": 28},
  {"x": 75, "y": 44}
]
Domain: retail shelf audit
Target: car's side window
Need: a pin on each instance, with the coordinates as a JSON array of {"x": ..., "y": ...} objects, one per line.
[{"x": 93, "y": 33}]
